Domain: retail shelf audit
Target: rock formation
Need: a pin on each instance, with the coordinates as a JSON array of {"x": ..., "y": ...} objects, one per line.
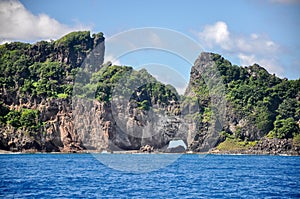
[{"x": 59, "y": 97}]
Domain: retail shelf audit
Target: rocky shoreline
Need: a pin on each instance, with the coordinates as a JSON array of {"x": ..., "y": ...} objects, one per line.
[
  {"x": 251, "y": 151},
  {"x": 267, "y": 146},
  {"x": 215, "y": 152}
]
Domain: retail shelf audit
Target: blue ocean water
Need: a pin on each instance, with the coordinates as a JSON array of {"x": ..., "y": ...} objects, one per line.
[{"x": 190, "y": 176}]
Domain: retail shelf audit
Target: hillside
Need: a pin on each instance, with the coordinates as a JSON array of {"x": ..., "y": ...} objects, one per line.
[
  {"x": 244, "y": 109},
  {"x": 259, "y": 108}
]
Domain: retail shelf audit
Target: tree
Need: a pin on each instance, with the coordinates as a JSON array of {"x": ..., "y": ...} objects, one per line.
[
  {"x": 288, "y": 108},
  {"x": 285, "y": 128},
  {"x": 29, "y": 118},
  {"x": 13, "y": 118}
]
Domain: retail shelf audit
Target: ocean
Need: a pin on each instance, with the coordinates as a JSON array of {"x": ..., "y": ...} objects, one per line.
[{"x": 185, "y": 176}]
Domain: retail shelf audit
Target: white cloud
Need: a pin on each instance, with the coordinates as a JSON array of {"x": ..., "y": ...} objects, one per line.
[
  {"x": 216, "y": 34},
  {"x": 219, "y": 35},
  {"x": 18, "y": 23},
  {"x": 246, "y": 59},
  {"x": 271, "y": 64},
  {"x": 249, "y": 49},
  {"x": 254, "y": 36}
]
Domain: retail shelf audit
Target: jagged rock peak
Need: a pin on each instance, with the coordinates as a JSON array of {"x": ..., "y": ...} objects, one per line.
[
  {"x": 205, "y": 57},
  {"x": 204, "y": 60}
]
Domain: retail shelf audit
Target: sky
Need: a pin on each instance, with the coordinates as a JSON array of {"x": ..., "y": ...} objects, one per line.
[{"x": 244, "y": 32}]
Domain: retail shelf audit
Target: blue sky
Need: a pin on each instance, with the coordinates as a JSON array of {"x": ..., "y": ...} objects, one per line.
[{"x": 245, "y": 32}]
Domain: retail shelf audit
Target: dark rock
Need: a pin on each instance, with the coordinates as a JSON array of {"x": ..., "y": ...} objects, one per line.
[
  {"x": 275, "y": 146},
  {"x": 178, "y": 149},
  {"x": 50, "y": 147},
  {"x": 147, "y": 148}
]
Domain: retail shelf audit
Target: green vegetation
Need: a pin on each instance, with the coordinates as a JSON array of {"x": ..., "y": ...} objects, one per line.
[
  {"x": 27, "y": 118},
  {"x": 62, "y": 96},
  {"x": 265, "y": 100},
  {"x": 35, "y": 72},
  {"x": 122, "y": 81},
  {"x": 285, "y": 125},
  {"x": 207, "y": 114},
  {"x": 284, "y": 128},
  {"x": 13, "y": 118},
  {"x": 268, "y": 103},
  {"x": 296, "y": 140},
  {"x": 19, "y": 74},
  {"x": 231, "y": 144},
  {"x": 34, "y": 69},
  {"x": 73, "y": 39},
  {"x": 144, "y": 105}
]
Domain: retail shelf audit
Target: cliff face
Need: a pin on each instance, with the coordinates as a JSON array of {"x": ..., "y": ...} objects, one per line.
[
  {"x": 53, "y": 136},
  {"x": 49, "y": 102},
  {"x": 206, "y": 89},
  {"x": 131, "y": 110},
  {"x": 39, "y": 113},
  {"x": 243, "y": 105},
  {"x": 39, "y": 77}
]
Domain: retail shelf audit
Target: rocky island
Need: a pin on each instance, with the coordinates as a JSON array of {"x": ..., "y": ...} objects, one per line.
[{"x": 244, "y": 110}]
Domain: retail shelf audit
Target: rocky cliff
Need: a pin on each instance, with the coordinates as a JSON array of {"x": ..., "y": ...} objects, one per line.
[
  {"x": 59, "y": 96},
  {"x": 243, "y": 108},
  {"x": 55, "y": 97},
  {"x": 36, "y": 84},
  {"x": 119, "y": 121}
]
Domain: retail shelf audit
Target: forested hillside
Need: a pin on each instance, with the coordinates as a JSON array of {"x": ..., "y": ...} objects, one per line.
[
  {"x": 259, "y": 105},
  {"x": 37, "y": 82}
]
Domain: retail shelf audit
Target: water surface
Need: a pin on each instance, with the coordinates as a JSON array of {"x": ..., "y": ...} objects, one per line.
[{"x": 191, "y": 176}]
